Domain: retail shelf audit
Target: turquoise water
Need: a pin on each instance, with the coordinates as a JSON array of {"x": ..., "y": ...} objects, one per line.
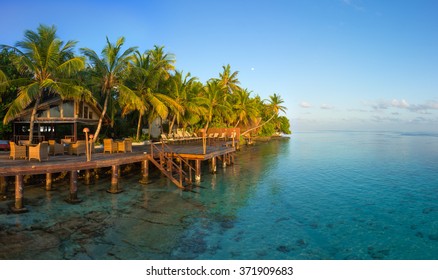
[{"x": 322, "y": 195}]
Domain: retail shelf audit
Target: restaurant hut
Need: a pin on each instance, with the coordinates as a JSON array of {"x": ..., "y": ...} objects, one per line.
[{"x": 57, "y": 119}]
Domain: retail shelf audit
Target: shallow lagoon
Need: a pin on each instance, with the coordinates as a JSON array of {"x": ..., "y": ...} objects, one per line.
[{"x": 322, "y": 195}]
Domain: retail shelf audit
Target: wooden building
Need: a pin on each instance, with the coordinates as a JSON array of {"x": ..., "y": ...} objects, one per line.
[{"x": 57, "y": 119}]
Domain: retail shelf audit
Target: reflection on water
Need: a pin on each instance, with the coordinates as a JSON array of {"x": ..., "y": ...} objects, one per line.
[{"x": 327, "y": 195}]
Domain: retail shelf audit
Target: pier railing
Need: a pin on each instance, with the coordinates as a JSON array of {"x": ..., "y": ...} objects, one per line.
[{"x": 167, "y": 155}]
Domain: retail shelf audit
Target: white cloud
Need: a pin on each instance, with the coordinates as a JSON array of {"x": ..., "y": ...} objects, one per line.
[
  {"x": 424, "y": 108},
  {"x": 399, "y": 103},
  {"x": 326, "y": 107},
  {"x": 305, "y": 104}
]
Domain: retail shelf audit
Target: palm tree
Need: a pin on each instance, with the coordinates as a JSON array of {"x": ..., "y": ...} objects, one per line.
[
  {"x": 273, "y": 106},
  {"x": 47, "y": 64},
  {"x": 228, "y": 80},
  {"x": 213, "y": 102},
  {"x": 182, "y": 93},
  {"x": 145, "y": 99},
  {"x": 162, "y": 63},
  {"x": 109, "y": 72},
  {"x": 244, "y": 107}
]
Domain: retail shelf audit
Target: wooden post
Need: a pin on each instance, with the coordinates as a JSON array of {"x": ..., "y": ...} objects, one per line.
[
  {"x": 224, "y": 161},
  {"x": 73, "y": 196},
  {"x": 213, "y": 165},
  {"x": 114, "y": 180},
  {"x": 87, "y": 178},
  {"x": 96, "y": 174},
  {"x": 18, "y": 206},
  {"x": 144, "y": 172},
  {"x": 3, "y": 186},
  {"x": 48, "y": 181},
  {"x": 198, "y": 171}
]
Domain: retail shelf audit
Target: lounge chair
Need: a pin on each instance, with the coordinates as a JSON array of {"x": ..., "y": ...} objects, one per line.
[
  {"x": 166, "y": 139},
  {"x": 78, "y": 148},
  {"x": 55, "y": 148},
  {"x": 17, "y": 151},
  {"x": 223, "y": 136},
  {"x": 109, "y": 146},
  {"x": 39, "y": 152}
]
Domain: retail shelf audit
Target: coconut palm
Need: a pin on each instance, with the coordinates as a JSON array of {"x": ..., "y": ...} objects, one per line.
[
  {"x": 162, "y": 63},
  {"x": 108, "y": 72},
  {"x": 274, "y": 106},
  {"x": 145, "y": 98},
  {"x": 47, "y": 64},
  {"x": 228, "y": 80},
  {"x": 244, "y": 107},
  {"x": 3, "y": 80},
  {"x": 213, "y": 102},
  {"x": 182, "y": 92}
]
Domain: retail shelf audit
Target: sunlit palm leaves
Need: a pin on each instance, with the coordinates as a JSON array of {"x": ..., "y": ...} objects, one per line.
[
  {"x": 50, "y": 64},
  {"x": 109, "y": 71}
]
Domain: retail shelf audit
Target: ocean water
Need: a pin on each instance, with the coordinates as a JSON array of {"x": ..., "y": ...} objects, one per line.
[{"x": 318, "y": 195}]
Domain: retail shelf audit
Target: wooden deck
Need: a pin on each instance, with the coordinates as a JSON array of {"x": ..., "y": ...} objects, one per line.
[
  {"x": 172, "y": 160},
  {"x": 61, "y": 163}
]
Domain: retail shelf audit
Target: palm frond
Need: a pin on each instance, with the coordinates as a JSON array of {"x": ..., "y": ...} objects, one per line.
[
  {"x": 25, "y": 96},
  {"x": 72, "y": 66}
]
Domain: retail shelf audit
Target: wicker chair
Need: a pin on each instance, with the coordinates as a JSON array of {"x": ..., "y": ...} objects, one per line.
[
  {"x": 39, "y": 152},
  {"x": 55, "y": 148},
  {"x": 109, "y": 146},
  {"x": 78, "y": 148},
  {"x": 17, "y": 151},
  {"x": 124, "y": 146}
]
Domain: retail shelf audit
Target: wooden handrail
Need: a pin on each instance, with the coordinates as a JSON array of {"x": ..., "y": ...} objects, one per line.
[{"x": 164, "y": 156}]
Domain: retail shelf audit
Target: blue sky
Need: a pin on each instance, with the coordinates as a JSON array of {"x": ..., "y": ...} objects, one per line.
[{"x": 338, "y": 64}]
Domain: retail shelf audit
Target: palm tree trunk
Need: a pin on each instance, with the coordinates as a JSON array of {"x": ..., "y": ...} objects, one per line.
[
  {"x": 32, "y": 116},
  {"x": 139, "y": 126},
  {"x": 172, "y": 123},
  {"x": 251, "y": 129},
  {"x": 99, "y": 125}
]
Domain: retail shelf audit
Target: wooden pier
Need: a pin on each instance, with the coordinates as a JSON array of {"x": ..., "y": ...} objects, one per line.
[{"x": 180, "y": 163}]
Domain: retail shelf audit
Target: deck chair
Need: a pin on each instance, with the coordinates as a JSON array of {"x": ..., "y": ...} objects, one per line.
[
  {"x": 39, "y": 152},
  {"x": 124, "y": 146},
  {"x": 55, "y": 148},
  {"x": 78, "y": 148},
  {"x": 223, "y": 136},
  {"x": 17, "y": 151},
  {"x": 166, "y": 139},
  {"x": 109, "y": 146}
]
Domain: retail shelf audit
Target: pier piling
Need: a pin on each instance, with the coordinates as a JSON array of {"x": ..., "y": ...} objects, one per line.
[
  {"x": 145, "y": 172},
  {"x": 73, "y": 195},
  {"x": 3, "y": 186},
  {"x": 198, "y": 171},
  {"x": 114, "y": 180},
  {"x": 48, "y": 181},
  {"x": 18, "y": 206}
]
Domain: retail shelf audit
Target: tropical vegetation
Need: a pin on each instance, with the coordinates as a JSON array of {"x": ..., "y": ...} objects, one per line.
[{"x": 133, "y": 88}]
